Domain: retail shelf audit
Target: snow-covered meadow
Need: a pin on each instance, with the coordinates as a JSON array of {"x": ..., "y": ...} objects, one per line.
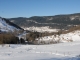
[
  {"x": 41, "y": 29},
  {"x": 61, "y": 51}
]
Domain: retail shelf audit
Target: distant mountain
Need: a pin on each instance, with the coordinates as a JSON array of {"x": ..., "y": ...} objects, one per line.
[
  {"x": 57, "y": 21},
  {"x": 7, "y": 26}
]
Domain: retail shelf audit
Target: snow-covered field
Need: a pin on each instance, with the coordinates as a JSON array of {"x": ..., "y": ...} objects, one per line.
[
  {"x": 41, "y": 29},
  {"x": 61, "y": 51}
]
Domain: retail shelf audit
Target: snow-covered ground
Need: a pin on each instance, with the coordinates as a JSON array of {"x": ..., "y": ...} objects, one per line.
[
  {"x": 22, "y": 35},
  {"x": 61, "y": 51},
  {"x": 41, "y": 29},
  {"x": 69, "y": 37}
]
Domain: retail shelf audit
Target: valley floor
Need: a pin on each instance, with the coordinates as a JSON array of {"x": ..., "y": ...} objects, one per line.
[{"x": 61, "y": 51}]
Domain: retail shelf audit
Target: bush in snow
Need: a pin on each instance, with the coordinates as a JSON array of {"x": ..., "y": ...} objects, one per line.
[{"x": 8, "y": 39}]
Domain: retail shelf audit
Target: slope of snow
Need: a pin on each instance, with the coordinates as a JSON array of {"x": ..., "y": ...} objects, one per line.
[
  {"x": 62, "y": 51},
  {"x": 41, "y": 29},
  {"x": 5, "y": 26},
  {"x": 75, "y": 36},
  {"x": 69, "y": 37},
  {"x": 22, "y": 35}
]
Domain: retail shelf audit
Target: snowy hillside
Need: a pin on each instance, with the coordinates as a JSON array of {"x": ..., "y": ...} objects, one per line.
[
  {"x": 69, "y": 37},
  {"x": 41, "y": 29},
  {"x": 5, "y": 26}
]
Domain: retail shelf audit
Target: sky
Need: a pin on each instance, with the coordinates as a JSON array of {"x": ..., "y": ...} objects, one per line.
[{"x": 29, "y": 8}]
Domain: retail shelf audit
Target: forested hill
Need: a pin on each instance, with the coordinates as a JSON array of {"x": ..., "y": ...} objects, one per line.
[{"x": 57, "y": 21}]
